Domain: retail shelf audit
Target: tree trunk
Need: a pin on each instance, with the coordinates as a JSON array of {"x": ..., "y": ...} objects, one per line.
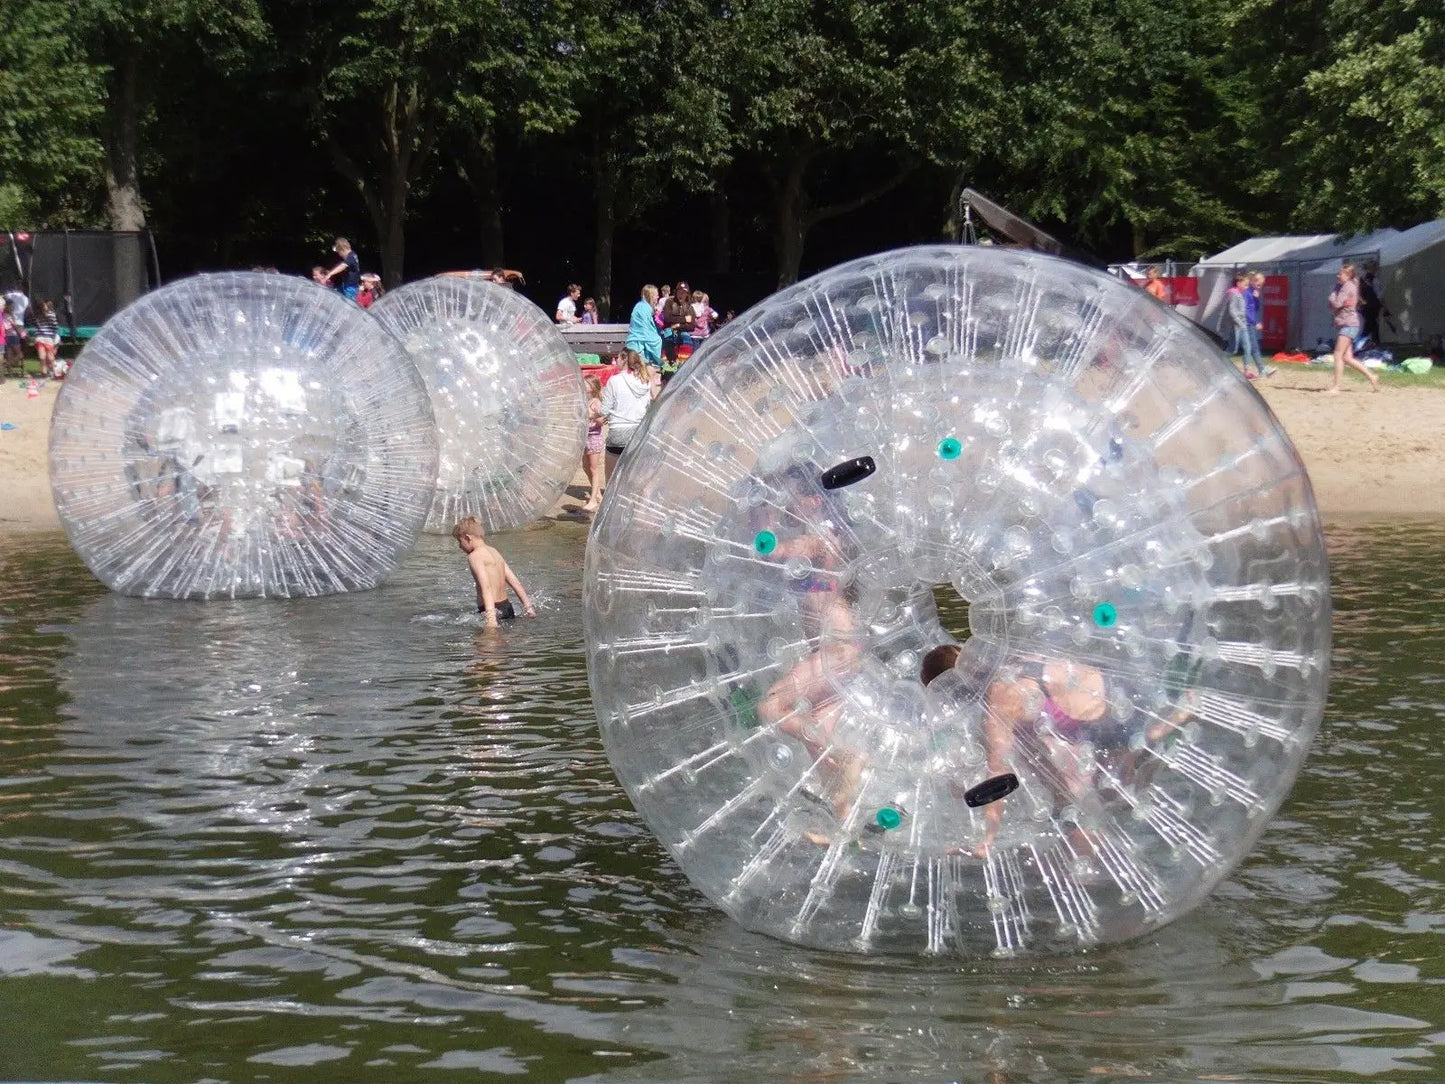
[
  {"x": 122, "y": 142},
  {"x": 392, "y": 232},
  {"x": 122, "y": 176},
  {"x": 605, "y": 180},
  {"x": 484, "y": 178},
  {"x": 405, "y": 151},
  {"x": 791, "y": 223},
  {"x": 721, "y": 214},
  {"x": 407, "y": 144},
  {"x": 797, "y": 215}
]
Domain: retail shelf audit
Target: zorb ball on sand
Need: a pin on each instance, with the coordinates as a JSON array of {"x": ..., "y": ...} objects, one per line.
[
  {"x": 238, "y": 436},
  {"x": 506, "y": 392},
  {"x": 1143, "y": 660}
]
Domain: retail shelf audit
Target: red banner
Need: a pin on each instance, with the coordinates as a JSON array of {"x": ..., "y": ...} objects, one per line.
[
  {"x": 1183, "y": 290},
  {"x": 1274, "y": 313}
]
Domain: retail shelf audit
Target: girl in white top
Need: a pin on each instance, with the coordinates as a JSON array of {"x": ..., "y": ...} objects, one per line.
[{"x": 625, "y": 400}]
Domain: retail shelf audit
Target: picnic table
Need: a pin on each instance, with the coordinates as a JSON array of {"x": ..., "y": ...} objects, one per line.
[{"x": 599, "y": 339}]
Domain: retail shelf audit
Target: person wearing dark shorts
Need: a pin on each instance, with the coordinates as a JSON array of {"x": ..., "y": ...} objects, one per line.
[{"x": 493, "y": 576}]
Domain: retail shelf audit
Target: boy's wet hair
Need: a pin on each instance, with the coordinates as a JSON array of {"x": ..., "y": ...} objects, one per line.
[{"x": 470, "y": 525}]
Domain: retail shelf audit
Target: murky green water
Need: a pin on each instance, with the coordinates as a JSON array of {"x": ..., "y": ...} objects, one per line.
[{"x": 361, "y": 839}]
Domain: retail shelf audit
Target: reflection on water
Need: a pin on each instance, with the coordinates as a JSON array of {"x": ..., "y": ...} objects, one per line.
[{"x": 362, "y": 838}]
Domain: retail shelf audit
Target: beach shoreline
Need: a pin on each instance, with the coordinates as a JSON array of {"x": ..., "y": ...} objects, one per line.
[{"x": 1369, "y": 456}]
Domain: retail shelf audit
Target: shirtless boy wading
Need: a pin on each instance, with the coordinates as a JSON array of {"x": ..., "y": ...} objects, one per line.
[{"x": 492, "y": 574}]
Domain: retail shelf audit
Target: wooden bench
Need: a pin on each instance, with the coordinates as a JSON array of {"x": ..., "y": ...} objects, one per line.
[{"x": 600, "y": 339}]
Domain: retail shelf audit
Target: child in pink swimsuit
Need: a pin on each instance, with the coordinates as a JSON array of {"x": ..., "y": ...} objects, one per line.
[{"x": 592, "y": 454}]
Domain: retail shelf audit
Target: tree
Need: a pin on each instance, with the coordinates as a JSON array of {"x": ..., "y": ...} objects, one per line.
[
  {"x": 838, "y": 101},
  {"x": 1130, "y": 127},
  {"x": 1372, "y": 149},
  {"x": 136, "y": 42},
  {"x": 50, "y": 102},
  {"x": 620, "y": 79},
  {"x": 392, "y": 78}
]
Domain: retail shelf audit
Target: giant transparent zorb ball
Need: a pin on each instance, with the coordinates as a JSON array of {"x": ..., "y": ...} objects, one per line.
[
  {"x": 241, "y": 436},
  {"x": 507, "y": 394},
  {"x": 1144, "y": 657}
]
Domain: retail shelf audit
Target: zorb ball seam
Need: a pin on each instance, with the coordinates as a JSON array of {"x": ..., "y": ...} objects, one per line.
[
  {"x": 1145, "y": 655},
  {"x": 242, "y": 435},
  {"x": 506, "y": 392}
]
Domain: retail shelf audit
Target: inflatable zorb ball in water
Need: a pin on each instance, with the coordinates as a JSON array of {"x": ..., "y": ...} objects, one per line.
[
  {"x": 1143, "y": 660},
  {"x": 507, "y": 395},
  {"x": 240, "y": 436}
]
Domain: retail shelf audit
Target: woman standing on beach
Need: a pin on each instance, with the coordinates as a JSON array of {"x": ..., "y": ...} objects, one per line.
[
  {"x": 1344, "y": 303},
  {"x": 642, "y": 333}
]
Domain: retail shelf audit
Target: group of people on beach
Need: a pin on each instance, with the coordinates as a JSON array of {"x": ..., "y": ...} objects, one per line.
[
  {"x": 38, "y": 325},
  {"x": 1355, "y": 306},
  {"x": 346, "y": 277},
  {"x": 666, "y": 323}
]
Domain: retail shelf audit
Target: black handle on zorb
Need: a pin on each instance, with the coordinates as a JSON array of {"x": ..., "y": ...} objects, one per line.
[
  {"x": 991, "y": 790},
  {"x": 848, "y": 472}
]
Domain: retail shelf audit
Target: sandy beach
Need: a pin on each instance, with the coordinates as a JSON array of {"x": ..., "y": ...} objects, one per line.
[{"x": 1369, "y": 455}]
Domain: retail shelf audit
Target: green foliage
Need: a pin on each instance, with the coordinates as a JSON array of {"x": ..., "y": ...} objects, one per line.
[
  {"x": 1374, "y": 142},
  {"x": 50, "y": 96},
  {"x": 1132, "y": 127},
  {"x": 865, "y": 88}
]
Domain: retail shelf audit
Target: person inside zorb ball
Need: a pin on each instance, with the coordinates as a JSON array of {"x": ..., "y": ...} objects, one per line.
[
  {"x": 1144, "y": 657},
  {"x": 507, "y": 394},
  {"x": 242, "y": 435}
]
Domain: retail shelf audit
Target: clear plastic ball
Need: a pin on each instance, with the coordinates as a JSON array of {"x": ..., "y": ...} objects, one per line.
[
  {"x": 242, "y": 436},
  {"x": 506, "y": 392},
  {"x": 1133, "y": 540}
]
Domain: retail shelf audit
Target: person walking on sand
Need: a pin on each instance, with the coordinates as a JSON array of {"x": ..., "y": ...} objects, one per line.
[
  {"x": 1344, "y": 303},
  {"x": 1254, "y": 317},
  {"x": 624, "y": 404},
  {"x": 594, "y": 451},
  {"x": 492, "y": 574},
  {"x": 1237, "y": 307}
]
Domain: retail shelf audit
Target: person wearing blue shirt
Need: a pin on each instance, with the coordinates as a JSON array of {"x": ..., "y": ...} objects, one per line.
[
  {"x": 346, "y": 275},
  {"x": 1254, "y": 323},
  {"x": 642, "y": 333}
]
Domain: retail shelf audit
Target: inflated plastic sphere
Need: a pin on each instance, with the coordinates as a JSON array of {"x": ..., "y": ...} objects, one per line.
[
  {"x": 239, "y": 436},
  {"x": 507, "y": 394},
  {"x": 1144, "y": 654}
]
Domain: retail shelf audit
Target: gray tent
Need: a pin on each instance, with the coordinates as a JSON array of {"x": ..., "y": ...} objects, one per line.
[{"x": 1411, "y": 279}]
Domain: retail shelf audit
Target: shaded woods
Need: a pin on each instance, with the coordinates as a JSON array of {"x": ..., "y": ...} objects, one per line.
[{"x": 743, "y": 144}]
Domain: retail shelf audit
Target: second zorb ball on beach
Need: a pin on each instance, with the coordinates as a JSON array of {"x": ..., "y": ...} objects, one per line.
[
  {"x": 506, "y": 392},
  {"x": 242, "y": 436}
]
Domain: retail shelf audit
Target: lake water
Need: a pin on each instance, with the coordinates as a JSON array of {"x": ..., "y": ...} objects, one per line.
[{"x": 362, "y": 839}]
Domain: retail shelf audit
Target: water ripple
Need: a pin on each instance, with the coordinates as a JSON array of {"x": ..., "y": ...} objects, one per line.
[{"x": 364, "y": 837}]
